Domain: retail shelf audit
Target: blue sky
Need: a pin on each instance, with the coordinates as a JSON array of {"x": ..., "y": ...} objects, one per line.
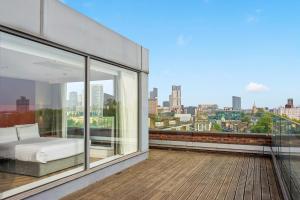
[{"x": 213, "y": 48}]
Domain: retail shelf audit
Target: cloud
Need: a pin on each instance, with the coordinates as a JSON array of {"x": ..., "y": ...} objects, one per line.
[
  {"x": 183, "y": 40},
  {"x": 254, "y": 17},
  {"x": 256, "y": 87},
  {"x": 251, "y": 19}
]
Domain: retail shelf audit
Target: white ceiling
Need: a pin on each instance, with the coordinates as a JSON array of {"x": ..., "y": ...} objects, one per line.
[{"x": 23, "y": 65}]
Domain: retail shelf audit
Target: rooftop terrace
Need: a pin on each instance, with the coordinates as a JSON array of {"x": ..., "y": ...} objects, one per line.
[{"x": 170, "y": 174}]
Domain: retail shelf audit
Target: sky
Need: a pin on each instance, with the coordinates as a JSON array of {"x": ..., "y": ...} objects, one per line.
[{"x": 214, "y": 49}]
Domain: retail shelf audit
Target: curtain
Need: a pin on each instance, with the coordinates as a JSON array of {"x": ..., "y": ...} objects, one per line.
[{"x": 128, "y": 117}]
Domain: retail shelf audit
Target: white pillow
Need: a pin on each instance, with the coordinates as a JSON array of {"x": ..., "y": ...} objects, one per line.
[
  {"x": 8, "y": 135},
  {"x": 28, "y": 131}
]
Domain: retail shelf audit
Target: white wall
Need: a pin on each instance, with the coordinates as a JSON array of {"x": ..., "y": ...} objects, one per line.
[
  {"x": 54, "y": 21},
  {"x": 21, "y": 14}
]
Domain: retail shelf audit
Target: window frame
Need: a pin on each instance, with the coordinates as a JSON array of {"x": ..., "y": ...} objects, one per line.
[{"x": 87, "y": 168}]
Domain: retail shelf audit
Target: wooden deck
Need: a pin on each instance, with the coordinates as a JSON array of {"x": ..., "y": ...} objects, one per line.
[{"x": 175, "y": 175}]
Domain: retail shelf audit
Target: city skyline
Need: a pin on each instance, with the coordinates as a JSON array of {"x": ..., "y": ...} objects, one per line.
[
  {"x": 234, "y": 100},
  {"x": 212, "y": 56}
]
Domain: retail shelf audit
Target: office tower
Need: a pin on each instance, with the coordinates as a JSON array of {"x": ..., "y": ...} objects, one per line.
[
  {"x": 191, "y": 110},
  {"x": 154, "y": 93},
  {"x": 22, "y": 104},
  {"x": 166, "y": 104},
  {"x": 73, "y": 100},
  {"x": 175, "y": 99},
  {"x": 236, "y": 103},
  {"x": 290, "y": 103},
  {"x": 152, "y": 106},
  {"x": 97, "y": 98}
]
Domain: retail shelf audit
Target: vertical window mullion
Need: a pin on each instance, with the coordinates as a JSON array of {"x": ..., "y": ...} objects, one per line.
[{"x": 87, "y": 114}]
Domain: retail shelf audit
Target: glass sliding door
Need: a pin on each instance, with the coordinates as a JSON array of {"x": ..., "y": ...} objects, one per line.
[
  {"x": 113, "y": 112},
  {"x": 41, "y": 112}
]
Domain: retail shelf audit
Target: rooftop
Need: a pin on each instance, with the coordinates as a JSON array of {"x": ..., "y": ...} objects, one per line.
[{"x": 170, "y": 174}]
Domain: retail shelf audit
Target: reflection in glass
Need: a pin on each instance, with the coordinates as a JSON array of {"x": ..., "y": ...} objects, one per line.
[
  {"x": 113, "y": 111},
  {"x": 41, "y": 111}
]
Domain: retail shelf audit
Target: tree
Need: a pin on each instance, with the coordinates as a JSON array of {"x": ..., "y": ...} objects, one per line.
[
  {"x": 246, "y": 119},
  {"x": 216, "y": 127},
  {"x": 264, "y": 124}
]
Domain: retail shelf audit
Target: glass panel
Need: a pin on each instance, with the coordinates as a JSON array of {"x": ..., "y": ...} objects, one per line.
[
  {"x": 41, "y": 112},
  {"x": 113, "y": 112}
]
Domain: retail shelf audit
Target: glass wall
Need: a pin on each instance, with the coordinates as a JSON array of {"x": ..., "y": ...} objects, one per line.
[
  {"x": 41, "y": 92},
  {"x": 113, "y": 111},
  {"x": 42, "y": 104},
  {"x": 286, "y": 145}
]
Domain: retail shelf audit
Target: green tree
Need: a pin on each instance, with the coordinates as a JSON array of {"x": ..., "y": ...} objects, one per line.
[
  {"x": 264, "y": 124},
  {"x": 216, "y": 127},
  {"x": 246, "y": 119}
]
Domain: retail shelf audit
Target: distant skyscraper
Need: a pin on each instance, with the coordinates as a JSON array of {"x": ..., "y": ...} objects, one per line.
[
  {"x": 191, "y": 110},
  {"x": 290, "y": 103},
  {"x": 175, "y": 99},
  {"x": 22, "y": 104},
  {"x": 97, "y": 99},
  {"x": 73, "y": 100},
  {"x": 236, "y": 103},
  {"x": 166, "y": 104},
  {"x": 154, "y": 93},
  {"x": 152, "y": 106}
]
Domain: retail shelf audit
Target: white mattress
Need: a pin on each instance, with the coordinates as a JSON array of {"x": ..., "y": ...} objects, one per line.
[{"x": 42, "y": 149}]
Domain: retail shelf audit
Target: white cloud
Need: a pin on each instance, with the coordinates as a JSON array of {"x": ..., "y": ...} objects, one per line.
[
  {"x": 183, "y": 40},
  {"x": 254, "y": 17},
  {"x": 251, "y": 18},
  {"x": 256, "y": 87}
]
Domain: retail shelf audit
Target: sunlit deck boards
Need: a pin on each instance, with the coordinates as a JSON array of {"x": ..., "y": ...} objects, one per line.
[{"x": 182, "y": 175}]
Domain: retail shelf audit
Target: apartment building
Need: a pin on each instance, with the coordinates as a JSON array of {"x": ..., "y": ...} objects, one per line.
[{"x": 50, "y": 57}]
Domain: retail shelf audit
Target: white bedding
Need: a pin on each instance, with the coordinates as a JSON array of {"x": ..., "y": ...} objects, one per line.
[{"x": 42, "y": 149}]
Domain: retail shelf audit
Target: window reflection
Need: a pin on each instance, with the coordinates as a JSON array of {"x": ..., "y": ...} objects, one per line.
[
  {"x": 40, "y": 93},
  {"x": 113, "y": 113}
]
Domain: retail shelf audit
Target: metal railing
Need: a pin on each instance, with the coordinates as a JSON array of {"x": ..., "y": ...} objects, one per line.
[{"x": 286, "y": 150}]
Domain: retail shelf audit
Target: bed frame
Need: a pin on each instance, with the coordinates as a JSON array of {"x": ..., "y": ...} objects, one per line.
[{"x": 37, "y": 169}]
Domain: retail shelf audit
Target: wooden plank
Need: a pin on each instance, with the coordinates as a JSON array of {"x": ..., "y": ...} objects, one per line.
[
  {"x": 207, "y": 181},
  {"x": 235, "y": 180},
  {"x": 265, "y": 190},
  {"x": 149, "y": 179},
  {"x": 257, "y": 180},
  {"x": 158, "y": 188},
  {"x": 215, "y": 188},
  {"x": 189, "y": 186},
  {"x": 182, "y": 175},
  {"x": 240, "y": 190},
  {"x": 226, "y": 184},
  {"x": 250, "y": 180},
  {"x": 274, "y": 190},
  {"x": 167, "y": 189}
]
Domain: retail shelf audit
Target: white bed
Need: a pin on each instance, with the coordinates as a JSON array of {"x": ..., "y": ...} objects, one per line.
[{"x": 42, "y": 149}]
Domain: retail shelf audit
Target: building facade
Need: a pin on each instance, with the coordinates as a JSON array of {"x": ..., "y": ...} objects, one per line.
[
  {"x": 154, "y": 93},
  {"x": 292, "y": 113},
  {"x": 236, "y": 103},
  {"x": 175, "y": 99},
  {"x": 56, "y": 59}
]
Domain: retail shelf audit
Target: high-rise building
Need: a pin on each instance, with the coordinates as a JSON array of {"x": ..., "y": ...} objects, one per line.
[
  {"x": 190, "y": 110},
  {"x": 290, "y": 103},
  {"x": 154, "y": 93},
  {"x": 175, "y": 99},
  {"x": 292, "y": 113},
  {"x": 236, "y": 103},
  {"x": 152, "y": 106},
  {"x": 22, "y": 104},
  {"x": 73, "y": 100},
  {"x": 97, "y": 99},
  {"x": 166, "y": 104}
]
